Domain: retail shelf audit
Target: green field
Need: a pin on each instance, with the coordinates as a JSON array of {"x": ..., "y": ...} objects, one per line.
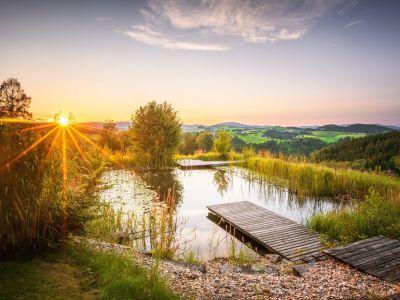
[
  {"x": 255, "y": 136},
  {"x": 332, "y": 136}
]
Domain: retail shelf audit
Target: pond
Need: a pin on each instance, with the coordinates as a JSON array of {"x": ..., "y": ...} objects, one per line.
[{"x": 135, "y": 191}]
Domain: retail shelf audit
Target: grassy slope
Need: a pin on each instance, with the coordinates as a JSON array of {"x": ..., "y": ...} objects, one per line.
[
  {"x": 80, "y": 273},
  {"x": 43, "y": 279}
]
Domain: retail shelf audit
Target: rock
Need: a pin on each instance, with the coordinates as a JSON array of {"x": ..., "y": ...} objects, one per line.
[
  {"x": 193, "y": 267},
  {"x": 146, "y": 252},
  {"x": 300, "y": 270},
  {"x": 271, "y": 270},
  {"x": 121, "y": 237},
  {"x": 257, "y": 269},
  {"x": 275, "y": 258},
  {"x": 230, "y": 269}
]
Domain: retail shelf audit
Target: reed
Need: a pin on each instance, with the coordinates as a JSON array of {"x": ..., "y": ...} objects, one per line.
[
  {"x": 32, "y": 207},
  {"x": 160, "y": 230},
  {"x": 208, "y": 156},
  {"x": 307, "y": 179},
  {"x": 377, "y": 215}
]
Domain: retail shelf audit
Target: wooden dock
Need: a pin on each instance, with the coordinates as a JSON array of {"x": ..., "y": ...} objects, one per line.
[
  {"x": 199, "y": 164},
  {"x": 277, "y": 234},
  {"x": 378, "y": 256}
]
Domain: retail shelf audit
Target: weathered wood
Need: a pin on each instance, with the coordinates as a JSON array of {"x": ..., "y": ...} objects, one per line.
[
  {"x": 378, "y": 256},
  {"x": 274, "y": 232}
]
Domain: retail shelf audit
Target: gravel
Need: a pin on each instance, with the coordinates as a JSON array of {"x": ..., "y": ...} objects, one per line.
[{"x": 327, "y": 279}]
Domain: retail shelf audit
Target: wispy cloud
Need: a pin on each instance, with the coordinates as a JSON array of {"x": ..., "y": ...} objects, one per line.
[
  {"x": 233, "y": 21},
  {"x": 148, "y": 36},
  {"x": 352, "y": 24}
]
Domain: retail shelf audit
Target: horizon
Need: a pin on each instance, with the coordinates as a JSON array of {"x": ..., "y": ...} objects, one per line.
[{"x": 286, "y": 63}]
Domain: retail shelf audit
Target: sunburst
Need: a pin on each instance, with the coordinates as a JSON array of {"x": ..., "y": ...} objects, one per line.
[{"x": 64, "y": 129}]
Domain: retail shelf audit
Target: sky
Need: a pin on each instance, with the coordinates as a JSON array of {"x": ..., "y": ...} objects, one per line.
[{"x": 283, "y": 62}]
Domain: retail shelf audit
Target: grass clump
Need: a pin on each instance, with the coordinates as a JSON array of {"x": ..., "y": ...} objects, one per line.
[
  {"x": 209, "y": 156},
  {"x": 376, "y": 215},
  {"x": 118, "y": 277}
]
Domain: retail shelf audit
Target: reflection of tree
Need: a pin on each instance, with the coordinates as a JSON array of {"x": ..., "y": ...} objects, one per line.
[
  {"x": 221, "y": 180},
  {"x": 164, "y": 182}
]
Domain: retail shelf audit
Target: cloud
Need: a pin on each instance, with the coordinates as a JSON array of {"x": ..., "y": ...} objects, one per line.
[
  {"x": 148, "y": 36},
  {"x": 352, "y": 24},
  {"x": 196, "y": 23}
]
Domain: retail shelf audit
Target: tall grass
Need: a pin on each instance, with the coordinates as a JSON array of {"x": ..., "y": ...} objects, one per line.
[
  {"x": 160, "y": 230},
  {"x": 31, "y": 191},
  {"x": 376, "y": 215},
  {"x": 318, "y": 180},
  {"x": 208, "y": 156}
]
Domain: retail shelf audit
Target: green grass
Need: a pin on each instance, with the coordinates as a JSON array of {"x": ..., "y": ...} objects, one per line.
[
  {"x": 376, "y": 215},
  {"x": 44, "y": 279},
  {"x": 117, "y": 277},
  {"x": 80, "y": 273},
  {"x": 252, "y": 138},
  {"x": 332, "y": 136}
]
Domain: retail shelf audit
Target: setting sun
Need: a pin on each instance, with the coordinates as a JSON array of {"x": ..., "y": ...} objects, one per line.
[{"x": 63, "y": 121}]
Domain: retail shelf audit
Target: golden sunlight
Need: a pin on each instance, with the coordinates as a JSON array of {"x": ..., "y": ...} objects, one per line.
[{"x": 63, "y": 121}]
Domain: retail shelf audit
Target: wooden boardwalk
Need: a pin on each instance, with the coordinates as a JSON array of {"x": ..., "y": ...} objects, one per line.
[
  {"x": 378, "y": 256},
  {"x": 198, "y": 164},
  {"x": 275, "y": 233}
]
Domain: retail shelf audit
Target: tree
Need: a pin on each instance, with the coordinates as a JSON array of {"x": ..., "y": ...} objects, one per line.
[
  {"x": 109, "y": 135},
  {"x": 205, "y": 141},
  {"x": 223, "y": 142},
  {"x": 189, "y": 144},
  {"x": 14, "y": 103},
  {"x": 156, "y": 130}
]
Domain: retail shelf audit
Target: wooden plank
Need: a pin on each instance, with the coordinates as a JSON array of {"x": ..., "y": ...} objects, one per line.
[
  {"x": 369, "y": 250},
  {"x": 378, "y": 256},
  {"x": 276, "y": 233},
  {"x": 345, "y": 248}
]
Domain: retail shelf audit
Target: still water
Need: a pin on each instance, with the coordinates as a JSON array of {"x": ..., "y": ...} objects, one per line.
[{"x": 195, "y": 189}]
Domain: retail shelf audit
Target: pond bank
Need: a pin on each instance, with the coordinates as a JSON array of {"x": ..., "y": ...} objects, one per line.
[{"x": 266, "y": 279}]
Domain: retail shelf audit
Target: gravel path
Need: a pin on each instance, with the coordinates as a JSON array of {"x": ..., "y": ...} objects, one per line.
[{"x": 218, "y": 279}]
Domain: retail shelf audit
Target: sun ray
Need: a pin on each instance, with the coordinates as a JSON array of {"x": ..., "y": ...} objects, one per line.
[
  {"x": 89, "y": 128},
  {"x": 65, "y": 182},
  {"x": 75, "y": 142},
  {"x": 21, "y": 121},
  {"x": 33, "y": 128},
  {"x": 53, "y": 143},
  {"x": 94, "y": 145},
  {"x": 27, "y": 150}
]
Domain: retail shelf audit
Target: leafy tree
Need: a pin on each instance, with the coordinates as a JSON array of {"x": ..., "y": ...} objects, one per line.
[
  {"x": 109, "y": 135},
  {"x": 205, "y": 141},
  {"x": 189, "y": 144},
  {"x": 223, "y": 142},
  {"x": 156, "y": 130},
  {"x": 14, "y": 103}
]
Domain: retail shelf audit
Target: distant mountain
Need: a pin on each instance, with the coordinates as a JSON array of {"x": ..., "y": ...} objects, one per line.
[
  {"x": 231, "y": 124},
  {"x": 356, "y": 128}
]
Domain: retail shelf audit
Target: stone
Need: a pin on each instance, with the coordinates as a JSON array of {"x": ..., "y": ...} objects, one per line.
[
  {"x": 230, "y": 269},
  {"x": 275, "y": 258},
  {"x": 300, "y": 270},
  {"x": 192, "y": 267}
]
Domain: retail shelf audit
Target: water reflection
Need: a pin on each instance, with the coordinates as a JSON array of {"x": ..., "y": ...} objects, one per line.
[
  {"x": 163, "y": 182},
  {"x": 196, "y": 189},
  {"x": 221, "y": 180}
]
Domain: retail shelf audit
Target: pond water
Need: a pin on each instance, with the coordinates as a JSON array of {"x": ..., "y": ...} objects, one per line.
[{"x": 135, "y": 191}]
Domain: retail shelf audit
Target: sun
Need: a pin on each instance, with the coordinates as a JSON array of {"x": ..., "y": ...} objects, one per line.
[{"x": 63, "y": 121}]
